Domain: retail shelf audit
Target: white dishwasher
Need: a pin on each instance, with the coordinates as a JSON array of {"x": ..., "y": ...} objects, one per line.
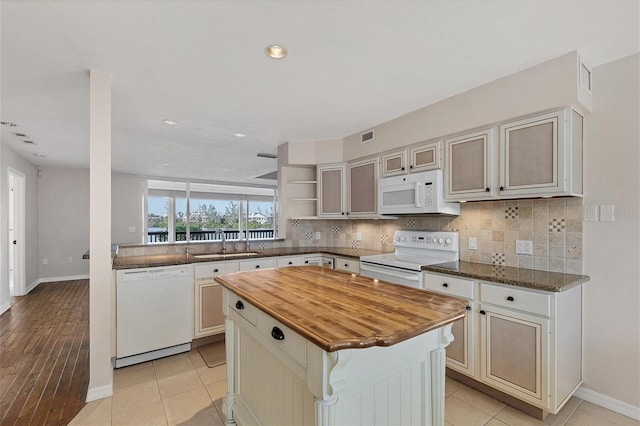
[{"x": 153, "y": 313}]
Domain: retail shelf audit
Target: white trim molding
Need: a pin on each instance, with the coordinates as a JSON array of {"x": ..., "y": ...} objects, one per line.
[
  {"x": 608, "y": 402},
  {"x": 4, "y": 308},
  {"x": 99, "y": 392},
  {"x": 39, "y": 281}
]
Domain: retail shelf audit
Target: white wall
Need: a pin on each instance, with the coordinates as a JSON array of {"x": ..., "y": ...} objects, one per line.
[
  {"x": 64, "y": 222},
  {"x": 546, "y": 86},
  {"x": 612, "y": 249},
  {"x": 126, "y": 208},
  {"x": 11, "y": 159}
]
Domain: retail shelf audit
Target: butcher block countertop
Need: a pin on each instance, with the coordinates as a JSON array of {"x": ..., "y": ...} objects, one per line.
[{"x": 336, "y": 310}]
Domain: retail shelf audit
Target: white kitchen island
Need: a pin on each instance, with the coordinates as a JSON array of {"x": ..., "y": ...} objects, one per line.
[{"x": 311, "y": 346}]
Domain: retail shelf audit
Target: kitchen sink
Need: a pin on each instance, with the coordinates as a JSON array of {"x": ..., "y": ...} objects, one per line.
[{"x": 224, "y": 255}]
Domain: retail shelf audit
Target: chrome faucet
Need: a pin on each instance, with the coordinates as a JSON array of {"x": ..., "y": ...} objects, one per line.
[{"x": 223, "y": 238}]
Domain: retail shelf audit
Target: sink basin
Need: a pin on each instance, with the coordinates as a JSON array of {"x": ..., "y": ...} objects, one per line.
[{"x": 223, "y": 255}]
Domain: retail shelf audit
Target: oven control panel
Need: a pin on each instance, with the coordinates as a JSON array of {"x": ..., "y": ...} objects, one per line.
[{"x": 433, "y": 240}]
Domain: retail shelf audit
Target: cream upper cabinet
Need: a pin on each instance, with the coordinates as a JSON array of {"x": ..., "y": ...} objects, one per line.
[
  {"x": 331, "y": 190},
  {"x": 416, "y": 158},
  {"x": 363, "y": 188},
  {"x": 469, "y": 166},
  {"x": 542, "y": 155}
]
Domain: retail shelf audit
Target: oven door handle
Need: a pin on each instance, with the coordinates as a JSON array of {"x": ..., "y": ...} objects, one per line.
[
  {"x": 417, "y": 200},
  {"x": 409, "y": 276}
]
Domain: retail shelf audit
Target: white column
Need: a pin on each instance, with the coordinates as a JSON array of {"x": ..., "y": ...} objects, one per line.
[
  {"x": 438, "y": 375},
  {"x": 101, "y": 370},
  {"x": 230, "y": 346}
]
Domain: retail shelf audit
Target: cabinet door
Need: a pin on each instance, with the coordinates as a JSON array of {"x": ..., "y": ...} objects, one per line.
[
  {"x": 469, "y": 166},
  {"x": 532, "y": 153},
  {"x": 425, "y": 157},
  {"x": 283, "y": 262},
  {"x": 394, "y": 163},
  {"x": 209, "y": 317},
  {"x": 347, "y": 265},
  {"x": 460, "y": 353},
  {"x": 331, "y": 190},
  {"x": 254, "y": 264},
  {"x": 514, "y": 350},
  {"x": 363, "y": 188}
]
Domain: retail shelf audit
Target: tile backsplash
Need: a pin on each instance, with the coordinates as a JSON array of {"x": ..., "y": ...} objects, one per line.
[{"x": 554, "y": 226}]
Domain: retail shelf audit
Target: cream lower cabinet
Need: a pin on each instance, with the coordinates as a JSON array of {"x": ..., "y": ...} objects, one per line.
[
  {"x": 277, "y": 377},
  {"x": 347, "y": 265},
  {"x": 525, "y": 343},
  {"x": 208, "y": 317}
]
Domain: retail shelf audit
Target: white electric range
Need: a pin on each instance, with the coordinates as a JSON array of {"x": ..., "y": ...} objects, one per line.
[{"x": 413, "y": 250}]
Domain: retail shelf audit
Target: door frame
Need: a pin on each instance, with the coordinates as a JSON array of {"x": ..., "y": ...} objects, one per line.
[{"x": 19, "y": 213}]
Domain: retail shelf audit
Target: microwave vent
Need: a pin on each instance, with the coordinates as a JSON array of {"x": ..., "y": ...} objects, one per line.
[{"x": 367, "y": 137}]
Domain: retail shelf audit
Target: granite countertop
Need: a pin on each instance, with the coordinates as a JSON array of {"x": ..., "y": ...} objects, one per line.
[
  {"x": 114, "y": 252},
  {"x": 313, "y": 300},
  {"x": 519, "y": 277},
  {"x": 130, "y": 262}
]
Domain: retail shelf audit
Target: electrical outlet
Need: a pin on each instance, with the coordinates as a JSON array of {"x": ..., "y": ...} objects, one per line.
[
  {"x": 45, "y": 261},
  {"x": 607, "y": 213},
  {"x": 317, "y": 235},
  {"x": 69, "y": 259},
  {"x": 524, "y": 247},
  {"x": 473, "y": 243},
  {"x": 358, "y": 236},
  {"x": 590, "y": 214},
  {"x": 132, "y": 229}
]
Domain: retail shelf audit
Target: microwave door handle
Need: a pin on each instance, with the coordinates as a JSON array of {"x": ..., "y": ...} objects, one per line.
[{"x": 417, "y": 200}]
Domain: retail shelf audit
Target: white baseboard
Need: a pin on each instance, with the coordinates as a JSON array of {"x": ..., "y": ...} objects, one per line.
[
  {"x": 99, "y": 392},
  {"x": 4, "y": 308},
  {"x": 67, "y": 278},
  {"x": 609, "y": 403},
  {"x": 31, "y": 286}
]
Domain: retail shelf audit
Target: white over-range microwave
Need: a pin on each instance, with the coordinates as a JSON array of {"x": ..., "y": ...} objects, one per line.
[{"x": 415, "y": 193}]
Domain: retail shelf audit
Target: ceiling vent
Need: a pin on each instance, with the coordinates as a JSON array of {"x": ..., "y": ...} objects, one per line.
[
  {"x": 367, "y": 137},
  {"x": 264, "y": 155}
]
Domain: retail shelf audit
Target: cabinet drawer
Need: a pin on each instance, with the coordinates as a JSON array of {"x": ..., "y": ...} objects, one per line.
[
  {"x": 291, "y": 343},
  {"x": 252, "y": 265},
  {"x": 243, "y": 308},
  {"x": 509, "y": 297},
  {"x": 214, "y": 269},
  {"x": 348, "y": 265},
  {"x": 449, "y": 285},
  {"x": 290, "y": 261}
]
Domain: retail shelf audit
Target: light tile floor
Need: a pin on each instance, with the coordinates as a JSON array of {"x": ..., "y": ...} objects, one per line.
[{"x": 182, "y": 390}]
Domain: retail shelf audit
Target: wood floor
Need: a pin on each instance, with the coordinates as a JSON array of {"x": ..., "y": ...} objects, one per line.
[{"x": 44, "y": 355}]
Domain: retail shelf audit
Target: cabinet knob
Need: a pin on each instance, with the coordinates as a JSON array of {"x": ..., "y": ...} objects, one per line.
[
  {"x": 346, "y": 265},
  {"x": 510, "y": 298},
  {"x": 342, "y": 213},
  {"x": 487, "y": 189},
  {"x": 347, "y": 213},
  {"x": 215, "y": 270},
  {"x": 306, "y": 262},
  {"x": 483, "y": 312},
  {"x": 257, "y": 266},
  {"x": 401, "y": 168},
  {"x": 290, "y": 263},
  {"x": 411, "y": 167},
  {"x": 239, "y": 305},
  {"x": 277, "y": 334},
  {"x": 502, "y": 188},
  {"x": 468, "y": 308},
  {"x": 445, "y": 285},
  {"x": 403, "y": 179}
]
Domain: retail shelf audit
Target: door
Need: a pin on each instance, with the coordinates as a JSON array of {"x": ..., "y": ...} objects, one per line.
[
  {"x": 17, "y": 253},
  {"x": 331, "y": 194},
  {"x": 514, "y": 353},
  {"x": 469, "y": 166},
  {"x": 363, "y": 188},
  {"x": 532, "y": 155}
]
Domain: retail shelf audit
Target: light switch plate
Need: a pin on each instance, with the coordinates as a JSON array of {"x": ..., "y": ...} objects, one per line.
[
  {"x": 317, "y": 235},
  {"x": 524, "y": 247},
  {"x": 473, "y": 243},
  {"x": 590, "y": 214},
  {"x": 358, "y": 236},
  {"x": 607, "y": 213}
]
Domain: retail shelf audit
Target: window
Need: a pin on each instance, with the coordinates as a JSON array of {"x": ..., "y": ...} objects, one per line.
[{"x": 184, "y": 211}]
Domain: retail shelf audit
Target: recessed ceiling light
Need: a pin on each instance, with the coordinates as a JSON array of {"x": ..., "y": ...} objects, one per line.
[
  {"x": 239, "y": 135},
  {"x": 275, "y": 51},
  {"x": 8, "y": 124},
  {"x": 170, "y": 122},
  {"x": 39, "y": 154},
  {"x": 167, "y": 164}
]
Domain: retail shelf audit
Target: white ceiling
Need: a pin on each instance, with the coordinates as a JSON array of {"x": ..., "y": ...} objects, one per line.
[{"x": 351, "y": 65}]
